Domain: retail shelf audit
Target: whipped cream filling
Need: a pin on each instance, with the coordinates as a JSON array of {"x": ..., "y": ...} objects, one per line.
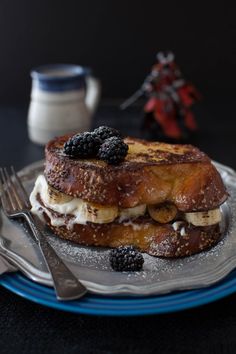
[
  {"x": 68, "y": 208},
  {"x": 80, "y": 212}
]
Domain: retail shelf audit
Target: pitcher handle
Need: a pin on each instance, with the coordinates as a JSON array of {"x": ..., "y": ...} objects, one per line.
[{"x": 93, "y": 93}]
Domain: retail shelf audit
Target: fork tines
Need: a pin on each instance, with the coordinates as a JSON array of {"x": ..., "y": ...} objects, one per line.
[{"x": 13, "y": 194}]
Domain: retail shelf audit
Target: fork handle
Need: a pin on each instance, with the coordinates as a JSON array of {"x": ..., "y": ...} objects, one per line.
[{"x": 66, "y": 285}]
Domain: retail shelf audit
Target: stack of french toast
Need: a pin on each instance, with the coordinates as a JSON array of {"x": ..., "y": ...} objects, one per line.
[{"x": 163, "y": 199}]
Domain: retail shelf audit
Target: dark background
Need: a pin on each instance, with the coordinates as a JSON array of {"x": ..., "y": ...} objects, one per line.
[{"x": 119, "y": 40}]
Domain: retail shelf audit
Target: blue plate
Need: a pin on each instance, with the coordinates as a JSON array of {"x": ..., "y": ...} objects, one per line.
[{"x": 119, "y": 306}]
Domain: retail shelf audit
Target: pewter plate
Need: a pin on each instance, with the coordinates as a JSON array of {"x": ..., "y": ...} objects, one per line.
[{"x": 91, "y": 264}]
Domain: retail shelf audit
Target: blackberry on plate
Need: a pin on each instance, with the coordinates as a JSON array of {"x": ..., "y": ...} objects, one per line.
[
  {"x": 106, "y": 132},
  {"x": 126, "y": 258},
  {"x": 113, "y": 150},
  {"x": 82, "y": 145}
]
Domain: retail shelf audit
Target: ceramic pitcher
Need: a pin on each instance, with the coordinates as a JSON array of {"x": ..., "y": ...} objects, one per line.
[{"x": 63, "y": 100}]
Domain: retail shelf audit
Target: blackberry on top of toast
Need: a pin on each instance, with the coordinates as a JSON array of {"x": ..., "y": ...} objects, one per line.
[
  {"x": 104, "y": 143},
  {"x": 113, "y": 150},
  {"x": 82, "y": 145},
  {"x": 104, "y": 132}
]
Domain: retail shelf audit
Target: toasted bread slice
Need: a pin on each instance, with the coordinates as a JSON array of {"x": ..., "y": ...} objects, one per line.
[
  {"x": 152, "y": 173},
  {"x": 143, "y": 233}
]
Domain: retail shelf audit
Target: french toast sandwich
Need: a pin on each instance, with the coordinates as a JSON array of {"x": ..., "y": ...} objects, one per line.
[{"x": 163, "y": 199}]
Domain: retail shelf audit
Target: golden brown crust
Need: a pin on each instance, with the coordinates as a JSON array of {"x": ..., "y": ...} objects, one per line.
[
  {"x": 152, "y": 173},
  {"x": 148, "y": 236}
]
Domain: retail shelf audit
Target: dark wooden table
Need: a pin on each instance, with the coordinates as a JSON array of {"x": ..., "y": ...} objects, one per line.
[{"x": 26, "y": 327}]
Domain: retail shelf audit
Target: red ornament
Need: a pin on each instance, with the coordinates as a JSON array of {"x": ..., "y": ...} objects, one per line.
[{"x": 170, "y": 98}]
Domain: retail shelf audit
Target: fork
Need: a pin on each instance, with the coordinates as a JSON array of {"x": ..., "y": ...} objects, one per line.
[{"x": 16, "y": 204}]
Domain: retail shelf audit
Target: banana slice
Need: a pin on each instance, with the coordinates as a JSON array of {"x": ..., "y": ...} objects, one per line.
[
  {"x": 204, "y": 218},
  {"x": 96, "y": 213},
  {"x": 127, "y": 213},
  {"x": 162, "y": 213},
  {"x": 56, "y": 197}
]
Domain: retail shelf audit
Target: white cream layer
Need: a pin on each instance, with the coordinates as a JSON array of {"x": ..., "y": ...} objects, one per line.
[{"x": 81, "y": 211}]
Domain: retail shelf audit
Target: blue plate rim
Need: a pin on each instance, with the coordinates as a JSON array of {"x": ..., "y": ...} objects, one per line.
[{"x": 120, "y": 305}]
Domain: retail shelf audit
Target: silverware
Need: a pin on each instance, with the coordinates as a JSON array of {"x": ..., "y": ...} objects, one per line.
[
  {"x": 22, "y": 264},
  {"x": 16, "y": 204}
]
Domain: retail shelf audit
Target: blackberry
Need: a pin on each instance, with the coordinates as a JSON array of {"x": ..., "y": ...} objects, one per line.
[
  {"x": 113, "y": 150},
  {"x": 126, "y": 258},
  {"x": 82, "y": 145},
  {"x": 106, "y": 132}
]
